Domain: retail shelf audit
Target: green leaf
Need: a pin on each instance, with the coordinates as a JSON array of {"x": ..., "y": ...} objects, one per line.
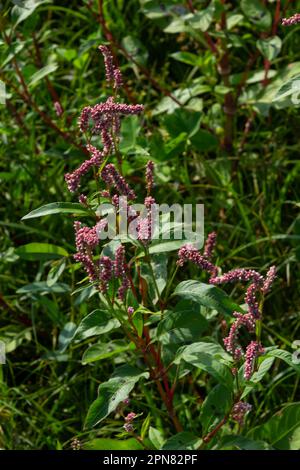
[
  {"x": 257, "y": 13},
  {"x": 264, "y": 366},
  {"x": 204, "y": 140},
  {"x": 112, "y": 393},
  {"x": 210, "y": 296},
  {"x": 243, "y": 443},
  {"x": 156, "y": 437},
  {"x": 182, "y": 120},
  {"x": 96, "y": 323},
  {"x": 40, "y": 251},
  {"x": 43, "y": 288},
  {"x": 58, "y": 208},
  {"x": 210, "y": 357},
  {"x": 130, "y": 130},
  {"x": 281, "y": 430},
  {"x": 187, "y": 58},
  {"x": 291, "y": 88},
  {"x": 20, "y": 13},
  {"x": 270, "y": 48},
  {"x": 183, "y": 325},
  {"x": 202, "y": 19},
  {"x": 101, "y": 351},
  {"x": 136, "y": 49},
  {"x": 159, "y": 265},
  {"x": 65, "y": 336},
  {"x": 182, "y": 441},
  {"x": 215, "y": 406},
  {"x": 285, "y": 356},
  {"x": 43, "y": 72},
  {"x": 112, "y": 444}
]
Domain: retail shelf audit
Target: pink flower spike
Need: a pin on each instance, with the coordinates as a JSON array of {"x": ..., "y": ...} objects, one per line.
[{"x": 295, "y": 19}]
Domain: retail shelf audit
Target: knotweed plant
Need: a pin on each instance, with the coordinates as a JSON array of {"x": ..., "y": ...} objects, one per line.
[{"x": 185, "y": 356}]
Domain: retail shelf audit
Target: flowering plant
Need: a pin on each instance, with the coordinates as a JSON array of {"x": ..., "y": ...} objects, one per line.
[{"x": 157, "y": 341}]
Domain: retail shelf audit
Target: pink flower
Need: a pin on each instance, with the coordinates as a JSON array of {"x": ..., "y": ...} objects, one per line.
[
  {"x": 189, "y": 253},
  {"x": 253, "y": 350},
  {"x": 239, "y": 411},
  {"x": 149, "y": 176},
  {"x": 58, "y": 108},
  {"x": 295, "y": 19},
  {"x": 209, "y": 245},
  {"x": 112, "y": 177},
  {"x": 270, "y": 277},
  {"x": 231, "y": 342}
]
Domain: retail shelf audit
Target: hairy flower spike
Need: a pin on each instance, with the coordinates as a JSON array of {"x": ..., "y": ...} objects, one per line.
[
  {"x": 73, "y": 179},
  {"x": 250, "y": 300},
  {"x": 106, "y": 272},
  {"x": 149, "y": 176},
  {"x": 241, "y": 275},
  {"x": 209, "y": 245},
  {"x": 270, "y": 277},
  {"x": 189, "y": 253},
  {"x": 239, "y": 411},
  {"x": 112, "y": 177},
  {"x": 295, "y": 19},
  {"x": 231, "y": 342},
  {"x": 113, "y": 73},
  {"x": 254, "y": 349}
]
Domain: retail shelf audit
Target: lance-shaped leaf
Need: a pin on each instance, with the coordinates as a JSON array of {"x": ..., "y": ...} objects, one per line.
[
  {"x": 112, "y": 393},
  {"x": 207, "y": 295}
]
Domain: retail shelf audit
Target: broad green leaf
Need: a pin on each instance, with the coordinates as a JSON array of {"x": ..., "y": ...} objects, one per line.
[
  {"x": 215, "y": 406},
  {"x": 136, "y": 49},
  {"x": 159, "y": 270},
  {"x": 40, "y": 251},
  {"x": 24, "y": 9},
  {"x": 43, "y": 72},
  {"x": 101, "y": 351},
  {"x": 184, "y": 324},
  {"x": 263, "y": 368},
  {"x": 187, "y": 58},
  {"x": 204, "y": 140},
  {"x": 242, "y": 443},
  {"x": 58, "y": 208},
  {"x": 41, "y": 287},
  {"x": 96, "y": 323},
  {"x": 182, "y": 441},
  {"x": 156, "y": 437},
  {"x": 285, "y": 356},
  {"x": 207, "y": 295},
  {"x": 270, "y": 48},
  {"x": 182, "y": 120},
  {"x": 112, "y": 444},
  {"x": 257, "y": 13},
  {"x": 281, "y": 430},
  {"x": 202, "y": 19},
  {"x": 290, "y": 88},
  {"x": 112, "y": 393},
  {"x": 209, "y": 357},
  {"x": 65, "y": 336}
]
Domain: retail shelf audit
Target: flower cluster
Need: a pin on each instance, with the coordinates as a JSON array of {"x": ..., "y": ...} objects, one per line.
[
  {"x": 239, "y": 411},
  {"x": 258, "y": 285},
  {"x": 128, "y": 426},
  {"x": 189, "y": 252},
  {"x": 295, "y": 19},
  {"x": 103, "y": 119}
]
